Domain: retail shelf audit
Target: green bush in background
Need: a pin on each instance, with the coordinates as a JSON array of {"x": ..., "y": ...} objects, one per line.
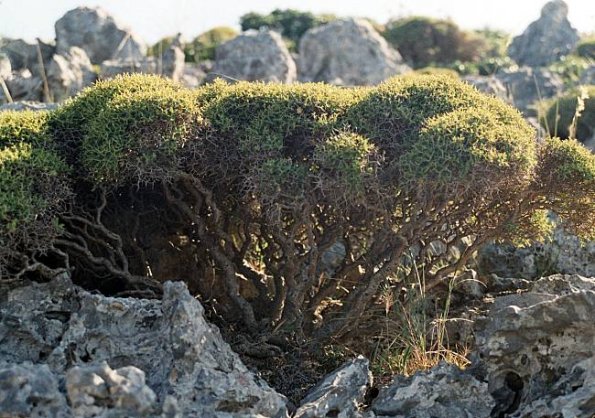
[
  {"x": 292, "y": 24},
  {"x": 204, "y": 45},
  {"x": 425, "y": 41}
]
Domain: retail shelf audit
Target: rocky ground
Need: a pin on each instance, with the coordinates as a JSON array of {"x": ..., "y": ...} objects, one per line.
[{"x": 66, "y": 352}]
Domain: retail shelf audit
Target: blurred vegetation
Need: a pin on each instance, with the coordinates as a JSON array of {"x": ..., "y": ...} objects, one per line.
[
  {"x": 290, "y": 23},
  {"x": 204, "y": 45},
  {"x": 200, "y": 48},
  {"x": 561, "y": 117},
  {"x": 424, "y": 41}
]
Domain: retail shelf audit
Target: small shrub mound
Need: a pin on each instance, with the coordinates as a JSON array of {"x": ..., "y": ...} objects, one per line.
[
  {"x": 292, "y": 207},
  {"x": 561, "y": 117},
  {"x": 33, "y": 193},
  {"x": 424, "y": 41}
]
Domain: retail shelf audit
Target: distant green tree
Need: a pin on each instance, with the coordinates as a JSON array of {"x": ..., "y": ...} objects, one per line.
[
  {"x": 424, "y": 41},
  {"x": 292, "y": 24}
]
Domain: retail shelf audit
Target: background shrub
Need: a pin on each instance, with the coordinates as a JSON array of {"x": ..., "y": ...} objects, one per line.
[
  {"x": 204, "y": 45},
  {"x": 292, "y": 24},
  {"x": 424, "y": 41}
]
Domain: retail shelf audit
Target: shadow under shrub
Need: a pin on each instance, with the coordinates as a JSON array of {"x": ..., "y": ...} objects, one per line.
[{"x": 291, "y": 207}]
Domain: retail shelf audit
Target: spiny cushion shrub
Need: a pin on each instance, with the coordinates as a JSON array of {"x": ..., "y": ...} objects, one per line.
[
  {"x": 125, "y": 128},
  {"x": 561, "y": 112},
  {"x": 204, "y": 45},
  {"x": 33, "y": 193},
  {"x": 424, "y": 41},
  {"x": 253, "y": 184}
]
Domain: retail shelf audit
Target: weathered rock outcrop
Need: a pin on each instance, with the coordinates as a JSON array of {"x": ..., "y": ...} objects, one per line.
[
  {"x": 5, "y": 67},
  {"x": 564, "y": 254},
  {"x": 444, "y": 391},
  {"x": 535, "y": 357},
  {"x": 538, "y": 349},
  {"x": 255, "y": 55},
  {"x": 526, "y": 86},
  {"x": 69, "y": 73},
  {"x": 99, "y": 34},
  {"x": 547, "y": 39},
  {"x": 22, "y": 85},
  {"x": 104, "y": 347},
  {"x": 341, "y": 393},
  {"x": 25, "y": 55},
  {"x": 489, "y": 85},
  {"x": 347, "y": 52}
]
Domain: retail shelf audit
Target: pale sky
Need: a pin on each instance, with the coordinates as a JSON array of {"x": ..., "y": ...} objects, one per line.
[{"x": 153, "y": 19}]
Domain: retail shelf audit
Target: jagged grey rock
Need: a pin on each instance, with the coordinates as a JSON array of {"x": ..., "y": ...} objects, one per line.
[
  {"x": 101, "y": 391},
  {"x": 5, "y": 67},
  {"x": 188, "y": 366},
  {"x": 340, "y": 394},
  {"x": 22, "y": 85},
  {"x": 24, "y": 55},
  {"x": 69, "y": 73},
  {"x": 537, "y": 348},
  {"x": 565, "y": 253},
  {"x": 30, "y": 391},
  {"x": 99, "y": 34},
  {"x": 489, "y": 85},
  {"x": 255, "y": 56},
  {"x": 172, "y": 60},
  {"x": 347, "y": 52},
  {"x": 526, "y": 86},
  {"x": 547, "y": 39},
  {"x": 443, "y": 391}
]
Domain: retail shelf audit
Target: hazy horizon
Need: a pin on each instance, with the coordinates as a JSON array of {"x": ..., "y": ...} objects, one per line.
[{"x": 154, "y": 19}]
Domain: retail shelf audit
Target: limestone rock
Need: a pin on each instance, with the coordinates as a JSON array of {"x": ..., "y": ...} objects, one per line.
[
  {"x": 564, "y": 254},
  {"x": 30, "y": 391},
  {"x": 340, "y": 394},
  {"x": 489, "y": 85},
  {"x": 347, "y": 52},
  {"x": 70, "y": 73},
  {"x": 255, "y": 55},
  {"x": 173, "y": 60},
  {"x": 526, "y": 86},
  {"x": 188, "y": 366},
  {"x": 538, "y": 348},
  {"x": 5, "y": 67},
  {"x": 443, "y": 391},
  {"x": 24, "y": 55},
  {"x": 99, "y": 34},
  {"x": 22, "y": 85},
  {"x": 547, "y": 39},
  {"x": 98, "y": 391}
]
